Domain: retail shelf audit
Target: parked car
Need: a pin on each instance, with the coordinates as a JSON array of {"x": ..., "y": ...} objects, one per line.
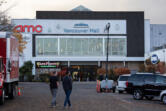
[
  {"x": 146, "y": 85},
  {"x": 107, "y": 85},
  {"x": 163, "y": 96},
  {"x": 121, "y": 83}
]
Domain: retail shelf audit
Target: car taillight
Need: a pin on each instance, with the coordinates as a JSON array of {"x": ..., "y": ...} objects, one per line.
[{"x": 127, "y": 83}]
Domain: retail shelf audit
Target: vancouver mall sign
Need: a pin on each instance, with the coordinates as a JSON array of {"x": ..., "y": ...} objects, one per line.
[{"x": 70, "y": 26}]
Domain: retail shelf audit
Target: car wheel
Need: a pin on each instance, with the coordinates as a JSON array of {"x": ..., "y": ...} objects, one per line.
[
  {"x": 120, "y": 92},
  {"x": 2, "y": 98},
  {"x": 137, "y": 94},
  {"x": 149, "y": 97},
  {"x": 164, "y": 99}
]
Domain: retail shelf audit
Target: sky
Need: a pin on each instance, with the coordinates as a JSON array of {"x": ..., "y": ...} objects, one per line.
[{"x": 155, "y": 10}]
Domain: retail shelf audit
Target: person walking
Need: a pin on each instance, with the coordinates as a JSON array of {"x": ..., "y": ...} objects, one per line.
[
  {"x": 54, "y": 87},
  {"x": 67, "y": 86}
]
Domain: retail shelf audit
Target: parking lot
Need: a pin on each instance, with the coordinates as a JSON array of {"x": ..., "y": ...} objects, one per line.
[{"x": 37, "y": 97}]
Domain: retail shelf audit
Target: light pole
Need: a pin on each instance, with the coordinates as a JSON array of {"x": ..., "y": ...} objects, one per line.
[
  {"x": 107, "y": 29},
  {"x": 164, "y": 59}
]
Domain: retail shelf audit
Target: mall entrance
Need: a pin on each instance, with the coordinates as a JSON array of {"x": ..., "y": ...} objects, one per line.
[{"x": 82, "y": 71}]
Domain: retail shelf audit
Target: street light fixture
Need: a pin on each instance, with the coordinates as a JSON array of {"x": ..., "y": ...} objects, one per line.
[{"x": 107, "y": 29}]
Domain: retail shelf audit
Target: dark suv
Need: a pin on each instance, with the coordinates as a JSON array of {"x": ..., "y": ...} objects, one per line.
[{"x": 146, "y": 85}]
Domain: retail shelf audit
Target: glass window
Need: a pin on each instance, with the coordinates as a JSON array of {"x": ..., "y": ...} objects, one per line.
[
  {"x": 77, "y": 47},
  {"x": 81, "y": 46},
  {"x": 95, "y": 47},
  {"x": 46, "y": 46},
  {"x": 117, "y": 46},
  {"x": 160, "y": 79},
  {"x": 123, "y": 78},
  {"x": 66, "y": 46},
  {"x": 149, "y": 78},
  {"x": 39, "y": 46},
  {"x": 137, "y": 78},
  {"x": 50, "y": 46}
]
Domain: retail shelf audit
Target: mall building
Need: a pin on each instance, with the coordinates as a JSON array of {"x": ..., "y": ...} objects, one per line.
[{"x": 77, "y": 39}]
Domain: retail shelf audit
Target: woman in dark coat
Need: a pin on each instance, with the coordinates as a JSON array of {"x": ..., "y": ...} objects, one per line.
[{"x": 67, "y": 86}]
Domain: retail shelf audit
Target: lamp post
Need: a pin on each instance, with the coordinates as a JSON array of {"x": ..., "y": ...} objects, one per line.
[
  {"x": 164, "y": 59},
  {"x": 107, "y": 29}
]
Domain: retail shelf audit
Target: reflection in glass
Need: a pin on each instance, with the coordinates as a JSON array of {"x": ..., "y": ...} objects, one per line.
[{"x": 80, "y": 46}]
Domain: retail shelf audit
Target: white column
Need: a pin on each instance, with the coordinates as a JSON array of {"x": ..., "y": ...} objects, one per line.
[
  {"x": 99, "y": 63},
  {"x": 124, "y": 63},
  {"x": 68, "y": 63},
  {"x": 58, "y": 46}
]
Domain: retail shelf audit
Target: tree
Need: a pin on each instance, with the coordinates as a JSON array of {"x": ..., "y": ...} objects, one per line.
[
  {"x": 101, "y": 71},
  {"x": 21, "y": 41},
  {"x": 121, "y": 71},
  {"x": 161, "y": 67},
  {"x": 6, "y": 26},
  {"x": 142, "y": 68},
  {"x": 152, "y": 68},
  {"x": 4, "y": 18},
  {"x": 26, "y": 70}
]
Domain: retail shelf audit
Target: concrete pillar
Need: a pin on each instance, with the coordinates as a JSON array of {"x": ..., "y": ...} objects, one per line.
[{"x": 68, "y": 63}]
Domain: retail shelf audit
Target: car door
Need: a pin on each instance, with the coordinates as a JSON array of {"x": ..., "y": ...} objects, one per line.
[
  {"x": 149, "y": 84},
  {"x": 160, "y": 84}
]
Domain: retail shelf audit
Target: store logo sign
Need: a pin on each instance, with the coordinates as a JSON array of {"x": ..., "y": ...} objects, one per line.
[
  {"x": 47, "y": 64},
  {"x": 154, "y": 59},
  {"x": 81, "y": 25},
  {"x": 28, "y": 28}
]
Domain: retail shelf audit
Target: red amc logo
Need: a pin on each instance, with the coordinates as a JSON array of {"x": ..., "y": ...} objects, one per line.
[{"x": 23, "y": 28}]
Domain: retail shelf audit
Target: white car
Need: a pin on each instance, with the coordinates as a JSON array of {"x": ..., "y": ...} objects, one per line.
[
  {"x": 163, "y": 96},
  {"x": 121, "y": 83},
  {"x": 107, "y": 84}
]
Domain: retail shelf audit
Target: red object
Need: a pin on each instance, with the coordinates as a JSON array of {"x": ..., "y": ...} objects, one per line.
[
  {"x": 127, "y": 84},
  {"x": 0, "y": 91},
  {"x": 98, "y": 86},
  {"x": 9, "y": 62},
  {"x": 19, "y": 91},
  {"x": 23, "y": 28}
]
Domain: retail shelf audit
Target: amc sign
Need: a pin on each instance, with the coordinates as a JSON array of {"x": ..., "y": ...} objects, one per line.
[{"x": 28, "y": 28}]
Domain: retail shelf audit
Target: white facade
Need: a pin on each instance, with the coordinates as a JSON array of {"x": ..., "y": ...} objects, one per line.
[
  {"x": 158, "y": 36},
  {"x": 147, "y": 36},
  {"x": 56, "y": 29},
  {"x": 160, "y": 53}
]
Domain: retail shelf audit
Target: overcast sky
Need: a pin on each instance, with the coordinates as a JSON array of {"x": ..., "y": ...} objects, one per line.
[{"x": 155, "y": 10}]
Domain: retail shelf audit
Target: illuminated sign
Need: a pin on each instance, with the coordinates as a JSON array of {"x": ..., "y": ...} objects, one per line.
[
  {"x": 28, "y": 28},
  {"x": 47, "y": 64}
]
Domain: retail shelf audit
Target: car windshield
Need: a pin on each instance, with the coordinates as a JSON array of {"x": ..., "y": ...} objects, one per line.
[{"x": 123, "y": 78}]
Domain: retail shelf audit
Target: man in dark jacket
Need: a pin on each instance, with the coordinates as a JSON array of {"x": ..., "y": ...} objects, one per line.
[
  {"x": 54, "y": 87},
  {"x": 67, "y": 86}
]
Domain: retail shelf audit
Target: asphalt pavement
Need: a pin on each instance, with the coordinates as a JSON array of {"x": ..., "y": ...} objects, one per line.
[{"x": 37, "y": 97}]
